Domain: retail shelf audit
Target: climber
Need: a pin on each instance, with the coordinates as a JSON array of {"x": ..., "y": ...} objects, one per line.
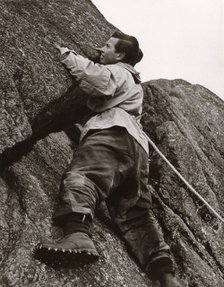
[{"x": 110, "y": 164}]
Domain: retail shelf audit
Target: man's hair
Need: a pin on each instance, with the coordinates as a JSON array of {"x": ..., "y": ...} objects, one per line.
[{"x": 130, "y": 46}]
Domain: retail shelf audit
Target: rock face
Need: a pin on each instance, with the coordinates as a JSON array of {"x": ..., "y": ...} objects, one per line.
[
  {"x": 36, "y": 107},
  {"x": 186, "y": 121}
]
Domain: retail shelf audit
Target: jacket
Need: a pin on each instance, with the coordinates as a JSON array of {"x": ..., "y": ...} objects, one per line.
[{"x": 115, "y": 94}]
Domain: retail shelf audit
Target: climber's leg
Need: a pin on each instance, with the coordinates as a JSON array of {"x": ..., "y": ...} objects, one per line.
[
  {"x": 139, "y": 229},
  {"x": 90, "y": 178},
  {"x": 130, "y": 207}
]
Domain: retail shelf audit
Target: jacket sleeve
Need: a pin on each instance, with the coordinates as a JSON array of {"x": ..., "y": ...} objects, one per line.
[{"x": 95, "y": 79}]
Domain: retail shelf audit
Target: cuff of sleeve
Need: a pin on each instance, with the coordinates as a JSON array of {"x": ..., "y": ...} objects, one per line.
[{"x": 65, "y": 52}]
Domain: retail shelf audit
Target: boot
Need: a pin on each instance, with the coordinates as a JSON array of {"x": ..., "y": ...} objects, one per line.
[
  {"x": 73, "y": 250},
  {"x": 158, "y": 266},
  {"x": 168, "y": 280}
]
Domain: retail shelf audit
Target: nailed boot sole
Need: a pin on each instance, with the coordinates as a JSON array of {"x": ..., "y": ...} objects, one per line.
[{"x": 70, "y": 258}]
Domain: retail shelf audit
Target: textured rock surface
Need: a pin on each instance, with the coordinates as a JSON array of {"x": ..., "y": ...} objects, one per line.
[
  {"x": 14, "y": 124},
  {"x": 29, "y": 62},
  {"x": 186, "y": 121}
]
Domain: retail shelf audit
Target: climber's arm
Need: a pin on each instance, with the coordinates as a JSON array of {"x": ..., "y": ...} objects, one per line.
[{"x": 95, "y": 79}]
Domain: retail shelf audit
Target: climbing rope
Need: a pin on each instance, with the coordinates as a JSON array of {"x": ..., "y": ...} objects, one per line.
[{"x": 183, "y": 179}]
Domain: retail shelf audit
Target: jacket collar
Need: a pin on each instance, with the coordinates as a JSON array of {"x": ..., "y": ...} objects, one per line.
[{"x": 131, "y": 69}]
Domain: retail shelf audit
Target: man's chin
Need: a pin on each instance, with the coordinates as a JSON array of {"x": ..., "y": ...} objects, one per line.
[{"x": 102, "y": 61}]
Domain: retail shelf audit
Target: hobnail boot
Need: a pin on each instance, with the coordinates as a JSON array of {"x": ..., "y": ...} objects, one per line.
[{"x": 72, "y": 250}]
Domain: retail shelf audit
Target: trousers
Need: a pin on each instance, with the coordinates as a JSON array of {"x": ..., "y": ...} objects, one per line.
[{"x": 109, "y": 165}]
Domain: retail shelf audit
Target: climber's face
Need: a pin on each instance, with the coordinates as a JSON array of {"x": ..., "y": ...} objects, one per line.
[{"x": 108, "y": 54}]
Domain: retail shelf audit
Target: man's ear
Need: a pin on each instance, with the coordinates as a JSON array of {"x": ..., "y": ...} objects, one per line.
[{"x": 120, "y": 56}]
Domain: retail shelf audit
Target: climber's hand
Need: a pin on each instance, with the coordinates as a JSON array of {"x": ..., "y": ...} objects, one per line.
[{"x": 58, "y": 47}]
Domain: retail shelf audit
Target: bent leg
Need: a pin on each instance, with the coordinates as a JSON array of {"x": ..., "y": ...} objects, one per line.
[
  {"x": 134, "y": 217},
  {"x": 93, "y": 174},
  {"x": 96, "y": 170}
]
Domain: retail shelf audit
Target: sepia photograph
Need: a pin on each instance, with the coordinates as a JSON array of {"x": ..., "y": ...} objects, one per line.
[{"x": 112, "y": 143}]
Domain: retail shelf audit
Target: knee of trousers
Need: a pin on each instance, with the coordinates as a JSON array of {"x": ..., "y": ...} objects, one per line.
[{"x": 79, "y": 191}]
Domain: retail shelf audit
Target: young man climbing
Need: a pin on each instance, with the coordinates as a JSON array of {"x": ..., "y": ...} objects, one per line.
[{"x": 110, "y": 164}]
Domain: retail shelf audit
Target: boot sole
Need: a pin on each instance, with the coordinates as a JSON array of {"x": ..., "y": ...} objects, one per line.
[{"x": 71, "y": 258}]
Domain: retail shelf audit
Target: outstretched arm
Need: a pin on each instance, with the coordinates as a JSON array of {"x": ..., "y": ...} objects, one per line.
[{"x": 95, "y": 79}]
